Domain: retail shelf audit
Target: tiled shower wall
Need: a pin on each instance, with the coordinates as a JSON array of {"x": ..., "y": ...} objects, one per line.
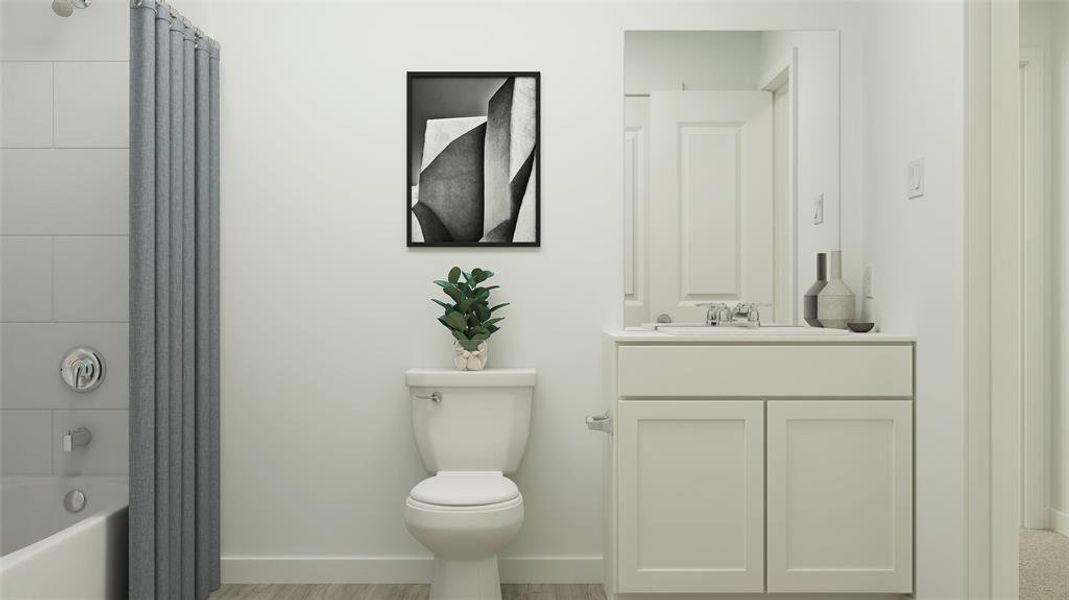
[{"x": 64, "y": 225}]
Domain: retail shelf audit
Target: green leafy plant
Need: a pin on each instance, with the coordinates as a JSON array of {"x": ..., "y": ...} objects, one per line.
[{"x": 469, "y": 317}]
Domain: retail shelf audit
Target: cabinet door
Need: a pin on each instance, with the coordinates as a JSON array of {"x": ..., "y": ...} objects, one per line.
[
  {"x": 840, "y": 496},
  {"x": 691, "y": 496}
]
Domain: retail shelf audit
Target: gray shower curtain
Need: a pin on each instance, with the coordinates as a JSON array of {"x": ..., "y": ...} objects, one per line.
[{"x": 174, "y": 307}]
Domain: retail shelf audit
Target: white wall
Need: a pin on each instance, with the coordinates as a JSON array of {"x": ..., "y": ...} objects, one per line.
[
  {"x": 1036, "y": 24},
  {"x": 1060, "y": 184},
  {"x": 1046, "y": 25},
  {"x": 323, "y": 306},
  {"x": 63, "y": 220},
  {"x": 914, "y": 109}
]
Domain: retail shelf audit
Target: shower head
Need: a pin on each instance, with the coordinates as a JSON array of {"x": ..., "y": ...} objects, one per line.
[{"x": 65, "y": 8}]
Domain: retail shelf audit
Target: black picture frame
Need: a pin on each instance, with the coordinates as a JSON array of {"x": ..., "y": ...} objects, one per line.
[{"x": 413, "y": 77}]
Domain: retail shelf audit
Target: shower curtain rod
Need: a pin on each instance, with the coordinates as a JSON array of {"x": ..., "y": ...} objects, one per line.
[{"x": 173, "y": 12}]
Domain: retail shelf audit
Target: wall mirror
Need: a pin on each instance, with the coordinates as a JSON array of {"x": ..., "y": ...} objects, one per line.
[{"x": 731, "y": 170}]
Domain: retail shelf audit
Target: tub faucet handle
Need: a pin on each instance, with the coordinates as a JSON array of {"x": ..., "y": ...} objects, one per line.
[{"x": 76, "y": 437}]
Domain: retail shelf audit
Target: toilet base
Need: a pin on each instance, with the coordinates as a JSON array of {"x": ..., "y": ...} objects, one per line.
[{"x": 466, "y": 580}]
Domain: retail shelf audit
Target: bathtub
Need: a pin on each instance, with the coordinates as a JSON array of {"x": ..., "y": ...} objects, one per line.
[{"x": 50, "y": 553}]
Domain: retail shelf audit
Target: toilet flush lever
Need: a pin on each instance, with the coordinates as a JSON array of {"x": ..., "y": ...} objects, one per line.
[
  {"x": 435, "y": 397},
  {"x": 602, "y": 422}
]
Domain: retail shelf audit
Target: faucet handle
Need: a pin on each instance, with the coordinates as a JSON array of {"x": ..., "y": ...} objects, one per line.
[
  {"x": 710, "y": 308},
  {"x": 753, "y": 312},
  {"x": 724, "y": 313},
  {"x": 716, "y": 312}
]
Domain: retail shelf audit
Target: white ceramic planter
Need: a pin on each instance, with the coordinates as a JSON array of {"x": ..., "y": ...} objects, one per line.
[{"x": 467, "y": 360}]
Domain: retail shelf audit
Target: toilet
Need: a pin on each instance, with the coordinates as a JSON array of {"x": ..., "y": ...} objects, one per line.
[{"x": 471, "y": 429}]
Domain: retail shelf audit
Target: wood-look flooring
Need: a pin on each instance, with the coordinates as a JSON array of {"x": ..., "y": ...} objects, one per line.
[{"x": 340, "y": 591}]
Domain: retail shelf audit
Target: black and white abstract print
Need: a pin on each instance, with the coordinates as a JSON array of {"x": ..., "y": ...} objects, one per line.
[{"x": 473, "y": 150}]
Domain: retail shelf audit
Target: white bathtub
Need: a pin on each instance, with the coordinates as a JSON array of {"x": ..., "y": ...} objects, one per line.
[{"x": 50, "y": 553}]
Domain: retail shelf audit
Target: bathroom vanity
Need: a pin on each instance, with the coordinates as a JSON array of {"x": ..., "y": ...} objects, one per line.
[{"x": 772, "y": 461}]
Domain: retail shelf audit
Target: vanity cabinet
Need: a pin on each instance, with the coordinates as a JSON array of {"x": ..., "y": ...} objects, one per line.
[
  {"x": 840, "y": 495},
  {"x": 690, "y": 495},
  {"x": 760, "y": 468}
]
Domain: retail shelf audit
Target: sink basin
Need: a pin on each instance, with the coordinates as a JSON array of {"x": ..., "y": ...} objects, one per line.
[{"x": 768, "y": 330}]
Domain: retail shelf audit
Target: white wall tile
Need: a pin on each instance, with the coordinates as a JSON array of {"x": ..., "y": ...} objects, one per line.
[
  {"x": 26, "y": 442},
  {"x": 29, "y": 30},
  {"x": 65, "y": 192},
  {"x": 30, "y": 354},
  {"x": 26, "y": 278},
  {"x": 27, "y": 104},
  {"x": 92, "y": 104},
  {"x": 106, "y": 453},
  {"x": 91, "y": 278}
]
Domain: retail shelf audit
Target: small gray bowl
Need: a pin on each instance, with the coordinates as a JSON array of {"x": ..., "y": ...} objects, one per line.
[{"x": 861, "y": 327}]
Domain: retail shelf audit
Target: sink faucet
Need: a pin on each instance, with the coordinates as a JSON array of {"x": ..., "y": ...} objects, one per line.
[
  {"x": 748, "y": 311},
  {"x": 717, "y": 313},
  {"x": 744, "y": 314}
]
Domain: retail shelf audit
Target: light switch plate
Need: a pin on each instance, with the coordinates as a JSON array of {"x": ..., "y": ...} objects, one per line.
[
  {"x": 818, "y": 209},
  {"x": 915, "y": 179},
  {"x": 866, "y": 282}
]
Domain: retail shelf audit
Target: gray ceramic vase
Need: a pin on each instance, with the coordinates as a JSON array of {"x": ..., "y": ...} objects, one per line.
[
  {"x": 835, "y": 303},
  {"x": 809, "y": 301}
]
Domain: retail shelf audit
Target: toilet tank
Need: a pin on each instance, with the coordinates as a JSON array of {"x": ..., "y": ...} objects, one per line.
[{"x": 480, "y": 423}]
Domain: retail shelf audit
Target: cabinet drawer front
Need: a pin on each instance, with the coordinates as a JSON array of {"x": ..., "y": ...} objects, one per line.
[
  {"x": 691, "y": 496},
  {"x": 840, "y": 496},
  {"x": 770, "y": 370}
]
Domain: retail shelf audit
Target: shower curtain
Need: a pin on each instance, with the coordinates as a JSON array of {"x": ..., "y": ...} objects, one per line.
[{"x": 174, "y": 306}]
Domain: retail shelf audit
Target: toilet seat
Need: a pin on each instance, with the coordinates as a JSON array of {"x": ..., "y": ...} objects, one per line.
[
  {"x": 481, "y": 509},
  {"x": 465, "y": 490}
]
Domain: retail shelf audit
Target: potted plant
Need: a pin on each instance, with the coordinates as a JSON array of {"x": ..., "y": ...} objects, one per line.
[{"x": 469, "y": 317}]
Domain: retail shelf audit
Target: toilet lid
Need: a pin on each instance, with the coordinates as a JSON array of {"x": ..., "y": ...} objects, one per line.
[{"x": 465, "y": 488}]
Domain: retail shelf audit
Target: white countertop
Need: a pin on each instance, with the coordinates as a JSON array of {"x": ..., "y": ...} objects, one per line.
[{"x": 764, "y": 335}]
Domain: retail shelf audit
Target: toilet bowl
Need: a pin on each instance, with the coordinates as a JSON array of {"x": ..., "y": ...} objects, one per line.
[
  {"x": 471, "y": 429},
  {"x": 464, "y": 519}
]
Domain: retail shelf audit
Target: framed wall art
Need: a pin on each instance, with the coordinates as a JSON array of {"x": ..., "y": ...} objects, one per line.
[{"x": 473, "y": 159}]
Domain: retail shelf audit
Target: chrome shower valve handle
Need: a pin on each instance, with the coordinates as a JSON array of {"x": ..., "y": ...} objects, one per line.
[{"x": 82, "y": 369}]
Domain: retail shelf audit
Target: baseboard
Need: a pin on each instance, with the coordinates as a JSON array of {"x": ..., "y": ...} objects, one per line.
[
  {"x": 1059, "y": 521},
  {"x": 362, "y": 569}
]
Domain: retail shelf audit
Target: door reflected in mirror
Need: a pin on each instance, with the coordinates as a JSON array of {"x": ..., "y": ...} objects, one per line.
[{"x": 731, "y": 170}]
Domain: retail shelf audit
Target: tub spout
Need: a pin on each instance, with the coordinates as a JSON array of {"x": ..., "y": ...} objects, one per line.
[{"x": 76, "y": 437}]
